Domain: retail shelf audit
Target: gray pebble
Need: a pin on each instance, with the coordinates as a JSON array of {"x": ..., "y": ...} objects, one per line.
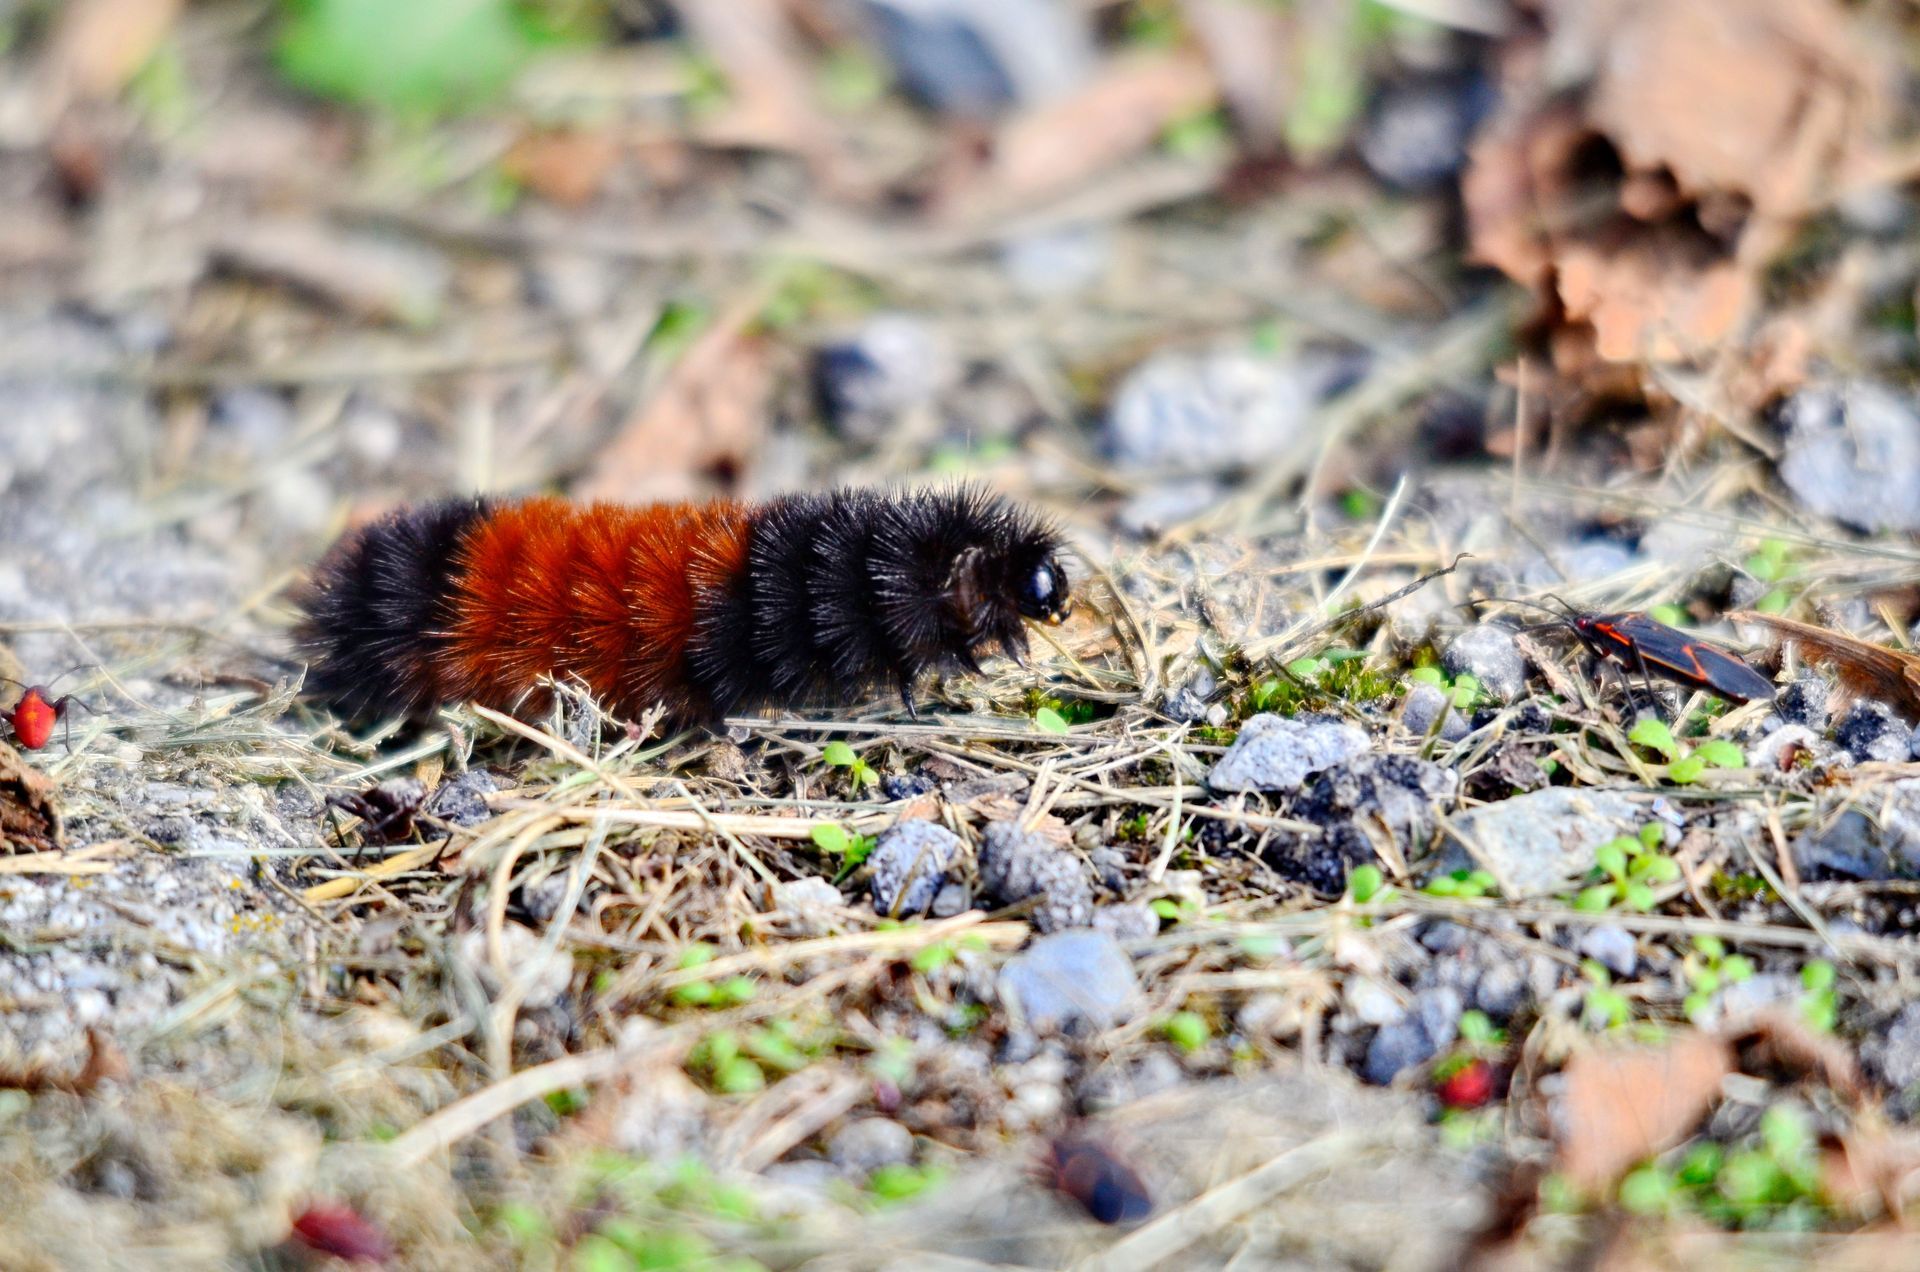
[
  {"x": 812, "y": 901},
  {"x": 1395, "y": 1048},
  {"x": 909, "y": 864},
  {"x": 1501, "y": 990},
  {"x": 1273, "y": 753},
  {"x": 1182, "y": 412},
  {"x": 1373, "y": 1003},
  {"x": 1612, "y": 947},
  {"x": 1071, "y": 981},
  {"x": 953, "y": 898},
  {"x": 1133, "y": 921},
  {"x": 1894, "y": 1055},
  {"x": 1188, "y": 703},
  {"x": 1423, "y": 706},
  {"x": 1489, "y": 654},
  {"x": 462, "y": 798},
  {"x": 1870, "y": 732},
  {"x": 1017, "y": 864},
  {"x": 863, "y": 1146},
  {"x": 1415, "y": 135},
  {"x": 892, "y": 364},
  {"x": 1852, "y": 453},
  {"x": 1540, "y": 842}
]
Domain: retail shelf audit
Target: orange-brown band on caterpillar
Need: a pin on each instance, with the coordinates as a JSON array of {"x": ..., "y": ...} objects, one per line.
[{"x": 696, "y": 606}]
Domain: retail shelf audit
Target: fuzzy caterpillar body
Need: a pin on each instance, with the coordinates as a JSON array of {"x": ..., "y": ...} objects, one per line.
[{"x": 701, "y": 607}]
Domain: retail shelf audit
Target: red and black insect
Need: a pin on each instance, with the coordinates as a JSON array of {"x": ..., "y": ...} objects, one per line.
[
  {"x": 37, "y": 711},
  {"x": 1106, "y": 1187},
  {"x": 1644, "y": 644}
]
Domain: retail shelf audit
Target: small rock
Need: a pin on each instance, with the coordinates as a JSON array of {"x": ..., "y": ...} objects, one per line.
[
  {"x": 1150, "y": 513},
  {"x": 1894, "y": 1055},
  {"x": 1355, "y": 803},
  {"x": 1612, "y": 947},
  {"x": 1539, "y": 843},
  {"x": 1852, "y": 453},
  {"x": 1071, "y": 981},
  {"x": 811, "y": 901},
  {"x": 909, "y": 864},
  {"x": 1017, "y": 864},
  {"x": 1741, "y": 1000},
  {"x": 1133, "y": 921},
  {"x": 908, "y": 785},
  {"x": 1200, "y": 413},
  {"x": 1578, "y": 563},
  {"x": 1488, "y": 653},
  {"x": 1057, "y": 262},
  {"x": 1423, "y": 706},
  {"x": 1272, "y": 1016},
  {"x": 1803, "y": 702},
  {"x": 867, "y": 382},
  {"x": 1273, "y": 753},
  {"x": 462, "y": 799},
  {"x": 953, "y": 898},
  {"x": 1400, "y": 1046},
  {"x": 865, "y": 1145},
  {"x": 1188, "y": 703},
  {"x": 972, "y": 59},
  {"x": 1870, "y": 732},
  {"x": 1856, "y": 845},
  {"x": 543, "y": 974},
  {"x": 1373, "y": 1003},
  {"x": 1501, "y": 991},
  {"x": 1415, "y": 136}
]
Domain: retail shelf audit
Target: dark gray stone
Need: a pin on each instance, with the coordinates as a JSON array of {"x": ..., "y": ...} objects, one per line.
[
  {"x": 1501, "y": 990},
  {"x": 1882, "y": 842},
  {"x": 909, "y": 864},
  {"x": 868, "y": 381},
  {"x": 1870, "y": 732},
  {"x": 1017, "y": 865},
  {"x": 1188, "y": 703},
  {"x": 1423, "y": 706},
  {"x": 1852, "y": 452},
  {"x": 1273, "y": 753},
  {"x": 1071, "y": 982},
  {"x": 973, "y": 59},
  {"x": 1488, "y": 653},
  {"x": 462, "y": 799},
  {"x": 1415, "y": 135}
]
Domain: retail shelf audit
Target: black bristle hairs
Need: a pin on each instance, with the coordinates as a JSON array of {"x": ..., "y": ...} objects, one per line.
[{"x": 699, "y": 607}]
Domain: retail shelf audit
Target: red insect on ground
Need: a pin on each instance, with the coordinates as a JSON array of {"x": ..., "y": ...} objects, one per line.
[
  {"x": 37, "y": 711},
  {"x": 1642, "y": 643}
]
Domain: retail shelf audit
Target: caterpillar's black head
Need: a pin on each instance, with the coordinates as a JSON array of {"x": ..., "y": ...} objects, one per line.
[{"x": 1003, "y": 568}]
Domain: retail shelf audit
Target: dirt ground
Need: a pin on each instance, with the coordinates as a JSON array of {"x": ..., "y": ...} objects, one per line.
[{"x": 1318, "y": 896}]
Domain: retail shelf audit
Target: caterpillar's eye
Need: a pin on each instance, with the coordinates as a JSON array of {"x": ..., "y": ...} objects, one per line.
[{"x": 1044, "y": 594}]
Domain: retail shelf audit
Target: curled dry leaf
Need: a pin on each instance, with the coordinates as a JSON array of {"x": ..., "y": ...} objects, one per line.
[
  {"x": 1644, "y": 213},
  {"x": 1780, "y": 1040},
  {"x": 1872, "y": 1168},
  {"x": 1623, "y": 1105},
  {"x": 105, "y": 1063},
  {"x": 29, "y": 812}
]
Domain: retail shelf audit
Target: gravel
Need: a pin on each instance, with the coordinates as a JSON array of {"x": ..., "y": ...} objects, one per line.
[
  {"x": 1540, "y": 843},
  {"x": 909, "y": 866},
  {"x": 1071, "y": 982},
  {"x": 1852, "y": 453},
  {"x": 1612, "y": 947},
  {"x": 1017, "y": 865},
  {"x": 866, "y": 1144},
  {"x": 867, "y": 382},
  {"x": 1273, "y": 753},
  {"x": 1490, "y": 655},
  {"x": 1182, "y": 412},
  {"x": 1858, "y": 844},
  {"x": 1432, "y": 1025}
]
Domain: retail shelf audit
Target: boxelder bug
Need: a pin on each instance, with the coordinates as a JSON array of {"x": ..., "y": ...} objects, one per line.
[
  {"x": 1643, "y": 643},
  {"x": 34, "y": 716}
]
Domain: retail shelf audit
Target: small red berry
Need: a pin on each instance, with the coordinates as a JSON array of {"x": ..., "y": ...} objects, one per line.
[
  {"x": 1468, "y": 1087},
  {"x": 342, "y": 1232},
  {"x": 34, "y": 718}
]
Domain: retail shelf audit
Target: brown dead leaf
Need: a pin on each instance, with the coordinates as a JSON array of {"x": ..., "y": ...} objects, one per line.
[
  {"x": 1644, "y": 212},
  {"x": 100, "y": 44},
  {"x": 1623, "y": 1105},
  {"x": 1779, "y": 1039},
  {"x": 708, "y": 415},
  {"x": 1865, "y": 669},
  {"x": 567, "y": 166},
  {"x": 1061, "y": 144},
  {"x": 769, "y": 86},
  {"x": 1872, "y": 1168},
  {"x": 29, "y": 813}
]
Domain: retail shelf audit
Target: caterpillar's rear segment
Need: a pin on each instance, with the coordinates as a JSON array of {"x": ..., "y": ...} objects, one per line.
[{"x": 697, "y": 606}]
